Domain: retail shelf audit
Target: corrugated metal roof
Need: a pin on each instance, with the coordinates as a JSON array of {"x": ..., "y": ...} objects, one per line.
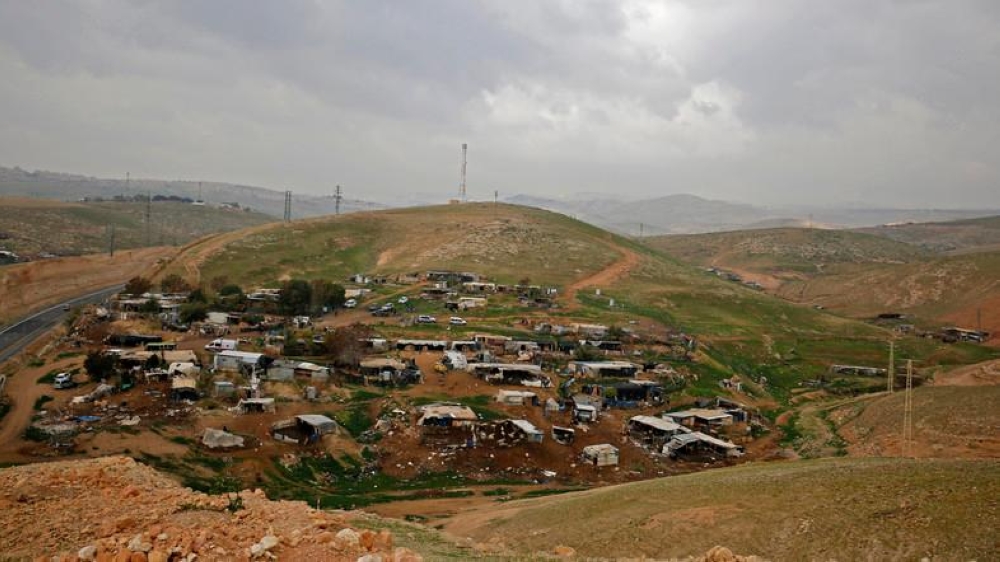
[{"x": 657, "y": 423}]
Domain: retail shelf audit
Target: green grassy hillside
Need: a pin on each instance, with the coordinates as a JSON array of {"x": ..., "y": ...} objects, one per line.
[
  {"x": 508, "y": 243},
  {"x": 741, "y": 330},
  {"x": 843, "y": 509},
  {"x": 786, "y": 250},
  {"x": 953, "y": 236},
  {"x": 31, "y": 226}
]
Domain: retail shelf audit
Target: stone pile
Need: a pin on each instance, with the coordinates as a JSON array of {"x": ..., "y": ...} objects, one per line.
[{"x": 114, "y": 509}]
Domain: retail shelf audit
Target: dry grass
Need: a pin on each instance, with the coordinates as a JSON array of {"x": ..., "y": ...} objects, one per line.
[
  {"x": 948, "y": 422},
  {"x": 844, "y": 509},
  {"x": 27, "y": 287}
]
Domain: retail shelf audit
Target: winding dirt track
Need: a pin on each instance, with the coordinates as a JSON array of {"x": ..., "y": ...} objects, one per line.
[{"x": 607, "y": 276}]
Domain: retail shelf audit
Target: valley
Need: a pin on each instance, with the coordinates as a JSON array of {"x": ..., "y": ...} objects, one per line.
[{"x": 529, "y": 365}]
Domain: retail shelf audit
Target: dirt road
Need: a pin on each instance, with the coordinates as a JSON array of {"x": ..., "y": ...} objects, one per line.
[
  {"x": 23, "y": 389},
  {"x": 607, "y": 276}
]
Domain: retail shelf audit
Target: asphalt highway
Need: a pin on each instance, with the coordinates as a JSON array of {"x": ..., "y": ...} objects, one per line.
[{"x": 16, "y": 336}]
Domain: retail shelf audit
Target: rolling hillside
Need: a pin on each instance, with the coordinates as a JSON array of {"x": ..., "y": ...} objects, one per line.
[
  {"x": 788, "y": 252},
  {"x": 73, "y": 187},
  {"x": 843, "y": 509},
  {"x": 742, "y": 330},
  {"x": 859, "y": 274},
  {"x": 33, "y": 226},
  {"x": 948, "y": 290},
  {"x": 982, "y": 234}
]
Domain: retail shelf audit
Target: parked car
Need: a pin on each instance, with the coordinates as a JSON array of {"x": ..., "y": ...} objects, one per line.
[
  {"x": 426, "y": 319},
  {"x": 457, "y": 321},
  {"x": 63, "y": 380},
  {"x": 403, "y": 299},
  {"x": 350, "y": 303}
]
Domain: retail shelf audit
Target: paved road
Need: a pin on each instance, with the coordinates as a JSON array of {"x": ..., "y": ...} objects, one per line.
[{"x": 15, "y": 337}]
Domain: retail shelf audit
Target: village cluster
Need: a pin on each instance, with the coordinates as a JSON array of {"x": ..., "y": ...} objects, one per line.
[{"x": 582, "y": 390}]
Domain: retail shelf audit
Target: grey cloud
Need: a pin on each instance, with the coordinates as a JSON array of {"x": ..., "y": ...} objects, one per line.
[{"x": 777, "y": 101}]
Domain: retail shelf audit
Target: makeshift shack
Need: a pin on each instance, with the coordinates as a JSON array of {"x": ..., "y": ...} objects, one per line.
[
  {"x": 600, "y": 455},
  {"x": 255, "y": 406},
  {"x": 700, "y": 418},
  {"x": 517, "y": 397},
  {"x": 701, "y": 446},
  {"x": 303, "y": 429},
  {"x": 597, "y": 369},
  {"x": 652, "y": 432},
  {"x": 184, "y": 388}
]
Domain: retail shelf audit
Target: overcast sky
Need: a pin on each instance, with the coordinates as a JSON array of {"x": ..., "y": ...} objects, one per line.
[{"x": 769, "y": 102}]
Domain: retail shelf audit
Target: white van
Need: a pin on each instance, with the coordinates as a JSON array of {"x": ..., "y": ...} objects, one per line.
[{"x": 221, "y": 345}]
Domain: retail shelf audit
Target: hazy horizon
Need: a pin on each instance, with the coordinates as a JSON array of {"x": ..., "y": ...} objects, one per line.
[{"x": 778, "y": 104}]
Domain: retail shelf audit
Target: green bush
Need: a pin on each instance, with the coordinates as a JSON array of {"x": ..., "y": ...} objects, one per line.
[{"x": 41, "y": 400}]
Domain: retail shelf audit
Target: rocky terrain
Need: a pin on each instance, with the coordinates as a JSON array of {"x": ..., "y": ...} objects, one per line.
[{"x": 115, "y": 509}]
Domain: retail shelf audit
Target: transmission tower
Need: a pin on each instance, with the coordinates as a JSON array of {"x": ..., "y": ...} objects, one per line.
[
  {"x": 338, "y": 197},
  {"x": 288, "y": 206},
  {"x": 908, "y": 409},
  {"x": 891, "y": 372},
  {"x": 461, "y": 189}
]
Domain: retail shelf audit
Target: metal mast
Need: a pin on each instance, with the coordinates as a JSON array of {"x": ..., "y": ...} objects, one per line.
[
  {"x": 465, "y": 149},
  {"x": 338, "y": 197}
]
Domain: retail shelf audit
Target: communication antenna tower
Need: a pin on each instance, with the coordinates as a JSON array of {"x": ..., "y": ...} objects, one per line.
[
  {"x": 338, "y": 197},
  {"x": 908, "y": 409},
  {"x": 288, "y": 206},
  {"x": 461, "y": 191}
]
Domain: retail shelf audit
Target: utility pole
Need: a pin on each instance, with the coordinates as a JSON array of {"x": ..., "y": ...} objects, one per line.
[
  {"x": 890, "y": 373},
  {"x": 111, "y": 240},
  {"x": 908, "y": 409},
  {"x": 641, "y": 229},
  {"x": 149, "y": 212},
  {"x": 338, "y": 197},
  {"x": 288, "y": 206},
  {"x": 461, "y": 191},
  {"x": 126, "y": 186}
]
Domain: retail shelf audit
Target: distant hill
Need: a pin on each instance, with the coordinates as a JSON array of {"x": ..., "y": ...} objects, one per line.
[
  {"x": 72, "y": 187},
  {"x": 30, "y": 227},
  {"x": 953, "y": 236},
  {"x": 962, "y": 290},
  {"x": 843, "y": 509},
  {"x": 690, "y": 214},
  {"x": 859, "y": 273},
  {"x": 680, "y": 213},
  {"x": 785, "y": 251}
]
